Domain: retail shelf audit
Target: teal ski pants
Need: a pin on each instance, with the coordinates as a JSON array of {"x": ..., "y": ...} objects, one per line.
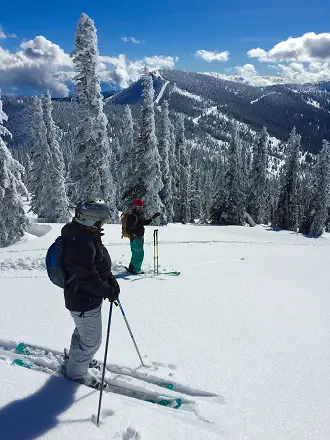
[{"x": 137, "y": 254}]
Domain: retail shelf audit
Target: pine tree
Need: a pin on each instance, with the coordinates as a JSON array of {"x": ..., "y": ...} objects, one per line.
[
  {"x": 147, "y": 167},
  {"x": 40, "y": 183},
  {"x": 90, "y": 171},
  {"x": 235, "y": 208},
  {"x": 322, "y": 194},
  {"x": 12, "y": 217},
  {"x": 173, "y": 158},
  {"x": 115, "y": 164},
  {"x": 129, "y": 160},
  {"x": 183, "y": 210},
  {"x": 218, "y": 184},
  {"x": 306, "y": 196},
  {"x": 164, "y": 151},
  {"x": 288, "y": 204},
  {"x": 57, "y": 202},
  {"x": 258, "y": 186}
]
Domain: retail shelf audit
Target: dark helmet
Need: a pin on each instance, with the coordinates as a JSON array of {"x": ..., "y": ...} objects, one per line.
[{"x": 92, "y": 212}]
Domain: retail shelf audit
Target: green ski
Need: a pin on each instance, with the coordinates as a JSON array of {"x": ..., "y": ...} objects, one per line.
[{"x": 33, "y": 353}]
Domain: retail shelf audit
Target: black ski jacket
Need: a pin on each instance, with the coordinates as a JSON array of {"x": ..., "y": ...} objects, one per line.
[
  {"x": 86, "y": 257},
  {"x": 135, "y": 224}
]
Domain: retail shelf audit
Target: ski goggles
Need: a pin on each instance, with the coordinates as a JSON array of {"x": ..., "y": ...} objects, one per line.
[{"x": 100, "y": 223}]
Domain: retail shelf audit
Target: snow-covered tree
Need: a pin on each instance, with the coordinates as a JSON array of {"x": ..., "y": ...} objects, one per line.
[
  {"x": 234, "y": 205},
  {"x": 173, "y": 158},
  {"x": 164, "y": 151},
  {"x": 288, "y": 203},
  {"x": 258, "y": 181},
  {"x": 12, "y": 217},
  {"x": 40, "y": 183},
  {"x": 322, "y": 194},
  {"x": 57, "y": 206},
  {"x": 90, "y": 171},
  {"x": 129, "y": 162},
  {"x": 306, "y": 196},
  {"x": 183, "y": 205},
  {"x": 217, "y": 184},
  {"x": 115, "y": 165},
  {"x": 147, "y": 167}
]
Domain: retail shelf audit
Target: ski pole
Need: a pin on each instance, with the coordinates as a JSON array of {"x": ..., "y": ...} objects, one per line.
[
  {"x": 104, "y": 363},
  {"x": 156, "y": 251},
  {"x": 130, "y": 332}
]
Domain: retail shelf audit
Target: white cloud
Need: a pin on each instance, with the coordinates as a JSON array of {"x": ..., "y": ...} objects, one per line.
[
  {"x": 125, "y": 72},
  {"x": 3, "y": 36},
  {"x": 160, "y": 62},
  {"x": 210, "y": 56},
  {"x": 308, "y": 48},
  {"x": 35, "y": 65},
  {"x": 132, "y": 40},
  {"x": 299, "y": 60},
  {"x": 248, "y": 70},
  {"x": 285, "y": 73},
  {"x": 40, "y": 64},
  {"x": 300, "y": 73}
]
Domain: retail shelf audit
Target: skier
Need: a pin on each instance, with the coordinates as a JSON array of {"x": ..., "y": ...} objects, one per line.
[
  {"x": 87, "y": 258},
  {"x": 135, "y": 228}
]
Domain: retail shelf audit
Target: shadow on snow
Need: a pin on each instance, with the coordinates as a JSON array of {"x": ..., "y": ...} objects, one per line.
[{"x": 33, "y": 416}]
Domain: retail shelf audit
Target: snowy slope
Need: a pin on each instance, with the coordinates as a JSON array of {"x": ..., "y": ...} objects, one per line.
[{"x": 246, "y": 321}]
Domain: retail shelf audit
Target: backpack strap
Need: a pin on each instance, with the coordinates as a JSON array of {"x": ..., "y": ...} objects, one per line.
[
  {"x": 136, "y": 219},
  {"x": 68, "y": 281},
  {"x": 82, "y": 239}
]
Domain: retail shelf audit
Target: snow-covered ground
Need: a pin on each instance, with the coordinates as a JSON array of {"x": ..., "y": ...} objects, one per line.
[
  {"x": 243, "y": 332},
  {"x": 161, "y": 93},
  {"x": 190, "y": 95}
]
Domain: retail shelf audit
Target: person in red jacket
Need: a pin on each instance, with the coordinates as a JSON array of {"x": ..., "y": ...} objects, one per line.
[{"x": 135, "y": 228}]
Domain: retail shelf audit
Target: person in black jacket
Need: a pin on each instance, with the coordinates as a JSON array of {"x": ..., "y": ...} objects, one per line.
[
  {"x": 135, "y": 228},
  {"x": 88, "y": 260}
]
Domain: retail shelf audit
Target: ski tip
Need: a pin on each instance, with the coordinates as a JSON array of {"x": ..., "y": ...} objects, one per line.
[
  {"x": 21, "y": 348},
  {"x": 173, "y": 273},
  {"x": 169, "y": 386},
  {"x": 170, "y": 403},
  {"x": 21, "y": 363}
]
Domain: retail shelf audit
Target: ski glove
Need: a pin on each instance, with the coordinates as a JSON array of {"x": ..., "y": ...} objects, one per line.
[
  {"x": 156, "y": 215},
  {"x": 114, "y": 289}
]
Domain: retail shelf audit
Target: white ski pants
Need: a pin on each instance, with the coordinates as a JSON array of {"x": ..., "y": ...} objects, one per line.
[{"x": 86, "y": 340}]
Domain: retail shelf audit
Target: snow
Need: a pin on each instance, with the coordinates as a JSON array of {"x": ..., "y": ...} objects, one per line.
[
  {"x": 161, "y": 93},
  {"x": 312, "y": 102},
  {"x": 263, "y": 96},
  {"x": 177, "y": 89},
  {"x": 247, "y": 320}
]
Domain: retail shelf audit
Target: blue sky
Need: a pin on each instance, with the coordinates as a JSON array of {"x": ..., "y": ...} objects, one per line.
[{"x": 175, "y": 28}]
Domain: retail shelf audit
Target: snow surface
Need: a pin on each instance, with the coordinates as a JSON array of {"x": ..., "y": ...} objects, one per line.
[
  {"x": 161, "y": 93},
  {"x": 247, "y": 321},
  {"x": 263, "y": 96},
  {"x": 182, "y": 92},
  {"x": 312, "y": 102}
]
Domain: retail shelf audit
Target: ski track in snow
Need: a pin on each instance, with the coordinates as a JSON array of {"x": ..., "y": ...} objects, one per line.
[
  {"x": 38, "y": 263},
  {"x": 263, "y": 96},
  {"x": 176, "y": 89},
  {"x": 121, "y": 380},
  {"x": 161, "y": 93}
]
